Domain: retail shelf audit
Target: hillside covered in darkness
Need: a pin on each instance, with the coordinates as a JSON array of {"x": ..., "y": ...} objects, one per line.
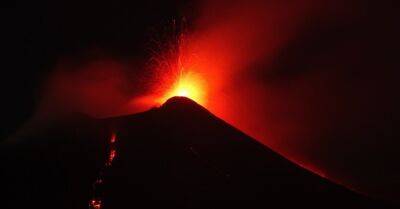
[{"x": 176, "y": 156}]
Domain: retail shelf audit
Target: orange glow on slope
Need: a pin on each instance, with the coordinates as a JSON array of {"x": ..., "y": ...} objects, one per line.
[{"x": 188, "y": 84}]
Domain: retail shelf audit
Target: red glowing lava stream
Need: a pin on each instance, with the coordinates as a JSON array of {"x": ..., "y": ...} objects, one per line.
[{"x": 96, "y": 201}]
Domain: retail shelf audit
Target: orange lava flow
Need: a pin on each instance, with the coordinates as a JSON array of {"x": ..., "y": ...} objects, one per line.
[{"x": 96, "y": 201}]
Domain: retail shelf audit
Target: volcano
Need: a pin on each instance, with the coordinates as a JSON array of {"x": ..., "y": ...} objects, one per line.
[{"x": 176, "y": 156}]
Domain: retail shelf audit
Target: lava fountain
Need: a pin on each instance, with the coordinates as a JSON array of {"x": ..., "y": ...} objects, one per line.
[{"x": 188, "y": 84}]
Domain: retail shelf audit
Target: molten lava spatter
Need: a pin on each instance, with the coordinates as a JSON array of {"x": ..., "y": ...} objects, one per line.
[{"x": 188, "y": 84}]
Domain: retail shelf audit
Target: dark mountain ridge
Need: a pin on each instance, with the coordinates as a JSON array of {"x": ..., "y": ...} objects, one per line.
[{"x": 176, "y": 156}]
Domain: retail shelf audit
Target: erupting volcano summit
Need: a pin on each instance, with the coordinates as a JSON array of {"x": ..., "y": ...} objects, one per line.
[{"x": 188, "y": 85}]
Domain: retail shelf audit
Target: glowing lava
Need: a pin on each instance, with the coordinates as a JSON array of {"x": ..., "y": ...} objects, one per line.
[
  {"x": 188, "y": 84},
  {"x": 96, "y": 201}
]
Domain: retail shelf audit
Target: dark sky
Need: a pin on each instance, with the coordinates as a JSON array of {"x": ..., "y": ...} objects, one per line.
[
  {"x": 361, "y": 52},
  {"x": 37, "y": 35}
]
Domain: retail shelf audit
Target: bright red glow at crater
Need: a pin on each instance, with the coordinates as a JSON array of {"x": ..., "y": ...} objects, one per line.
[{"x": 187, "y": 84}]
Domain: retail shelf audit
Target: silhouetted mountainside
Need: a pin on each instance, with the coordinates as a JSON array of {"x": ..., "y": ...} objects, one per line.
[
  {"x": 52, "y": 166},
  {"x": 175, "y": 156}
]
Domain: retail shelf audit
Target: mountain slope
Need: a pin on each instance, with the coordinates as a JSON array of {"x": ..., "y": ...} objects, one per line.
[
  {"x": 175, "y": 156},
  {"x": 182, "y": 156}
]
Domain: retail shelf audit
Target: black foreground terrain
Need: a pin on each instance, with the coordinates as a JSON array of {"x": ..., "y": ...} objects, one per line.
[{"x": 176, "y": 156}]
